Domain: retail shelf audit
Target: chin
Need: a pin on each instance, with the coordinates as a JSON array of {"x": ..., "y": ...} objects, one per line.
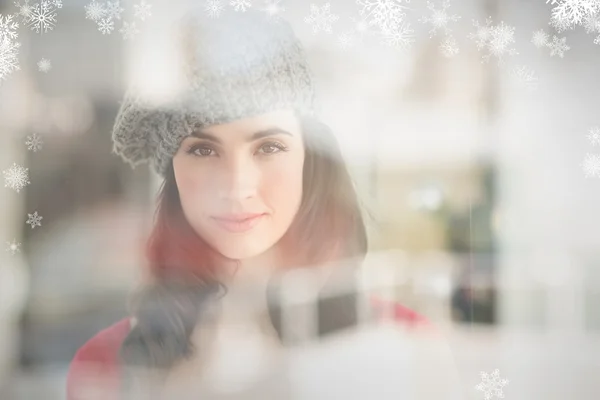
[{"x": 239, "y": 250}]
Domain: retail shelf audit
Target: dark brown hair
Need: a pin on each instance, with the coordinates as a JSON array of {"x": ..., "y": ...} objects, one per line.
[{"x": 329, "y": 226}]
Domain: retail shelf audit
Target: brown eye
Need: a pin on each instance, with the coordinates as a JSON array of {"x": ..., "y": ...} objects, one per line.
[
  {"x": 272, "y": 148},
  {"x": 200, "y": 151},
  {"x": 204, "y": 151}
]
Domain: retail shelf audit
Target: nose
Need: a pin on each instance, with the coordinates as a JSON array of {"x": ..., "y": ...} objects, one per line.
[{"x": 237, "y": 180}]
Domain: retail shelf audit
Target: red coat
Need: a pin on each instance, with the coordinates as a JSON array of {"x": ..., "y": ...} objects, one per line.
[{"x": 98, "y": 357}]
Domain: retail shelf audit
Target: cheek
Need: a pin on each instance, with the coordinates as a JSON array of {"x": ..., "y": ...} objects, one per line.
[
  {"x": 281, "y": 187},
  {"x": 193, "y": 199}
]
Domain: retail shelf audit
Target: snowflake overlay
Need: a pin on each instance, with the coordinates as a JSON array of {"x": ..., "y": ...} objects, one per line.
[
  {"x": 385, "y": 14},
  {"x": 591, "y": 165},
  {"x": 355, "y": 35},
  {"x": 34, "y": 220},
  {"x": 273, "y": 8},
  {"x": 321, "y": 18},
  {"x": 558, "y": 46},
  {"x": 40, "y": 17},
  {"x": 106, "y": 13},
  {"x": 240, "y": 5},
  {"x": 142, "y": 10},
  {"x": 129, "y": 30},
  {"x": 8, "y": 27},
  {"x": 566, "y": 14},
  {"x": 594, "y": 136},
  {"x": 496, "y": 39},
  {"x": 9, "y": 48},
  {"x": 388, "y": 17},
  {"x": 94, "y": 11},
  {"x": 526, "y": 76},
  {"x": 16, "y": 177},
  {"x": 34, "y": 142},
  {"x": 400, "y": 37},
  {"x": 44, "y": 65},
  {"x": 491, "y": 385},
  {"x": 214, "y": 8},
  {"x": 439, "y": 19},
  {"x": 13, "y": 247},
  {"x": 449, "y": 47},
  {"x": 540, "y": 39},
  {"x": 346, "y": 40},
  {"x": 113, "y": 9},
  {"x": 106, "y": 26},
  {"x": 591, "y": 23}
]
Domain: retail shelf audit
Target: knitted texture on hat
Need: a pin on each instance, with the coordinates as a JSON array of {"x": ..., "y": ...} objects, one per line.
[{"x": 235, "y": 66}]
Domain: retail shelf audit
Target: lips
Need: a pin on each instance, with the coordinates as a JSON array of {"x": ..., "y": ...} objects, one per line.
[{"x": 238, "y": 222}]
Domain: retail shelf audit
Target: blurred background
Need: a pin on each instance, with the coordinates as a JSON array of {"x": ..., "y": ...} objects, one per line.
[{"x": 471, "y": 171}]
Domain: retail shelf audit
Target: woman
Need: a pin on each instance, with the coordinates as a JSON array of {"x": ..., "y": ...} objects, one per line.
[{"x": 254, "y": 185}]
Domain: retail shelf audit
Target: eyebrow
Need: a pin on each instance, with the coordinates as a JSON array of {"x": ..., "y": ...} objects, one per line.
[{"x": 255, "y": 136}]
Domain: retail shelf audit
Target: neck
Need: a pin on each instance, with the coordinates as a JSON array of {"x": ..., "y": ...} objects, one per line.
[{"x": 246, "y": 297}]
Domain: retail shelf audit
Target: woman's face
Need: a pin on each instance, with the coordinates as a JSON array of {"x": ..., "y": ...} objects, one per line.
[{"x": 240, "y": 183}]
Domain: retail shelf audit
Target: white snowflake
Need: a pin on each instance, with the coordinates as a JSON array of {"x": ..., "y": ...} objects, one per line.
[
  {"x": 496, "y": 39},
  {"x": 502, "y": 37},
  {"x": 594, "y": 136},
  {"x": 591, "y": 165},
  {"x": 94, "y": 11},
  {"x": 449, "y": 47},
  {"x": 346, "y": 40},
  {"x": 387, "y": 15},
  {"x": 34, "y": 220},
  {"x": 526, "y": 76},
  {"x": 439, "y": 18},
  {"x": 9, "y": 52},
  {"x": 240, "y": 5},
  {"x": 568, "y": 13},
  {"x": 106, "y": 26},
  {"x": 482, "y": 34},
  {"x": 491, "y": 385},
  {"x": 25, "y": 9},
  {"x": 16, "y": 177},
  {"x": 9, "y": 48},
  {"x": 8, "y": 27},
  {"x": 273, "y": 8},
  {"x": 40, "y": 17},
  {"x": 400, "y": 36},
  {"x": 34, "y": 142},
  {"x": 361, "y": 26},
  {"x": 321, "y": 18},
  {"x": 142, "y": 10},
  {"x": 560, "y": 25},
  {"x": 13, "y": 247},
  {"x": 540, "y": 38},
  {"x": 129, "y": 30},
  {"x": 360, "y": 30},
  {"x": 591, "y": 23},
  {"x": 558, "y": 46},
  {"x": 597, "y": 40},
  {"x": 214, "y": 8},
  {"x": 44, "y": 65},
  {"x": 114, "y": 9}
]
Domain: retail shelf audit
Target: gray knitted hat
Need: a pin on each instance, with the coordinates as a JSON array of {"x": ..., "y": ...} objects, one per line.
[{"x": 235, "y": 66}]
